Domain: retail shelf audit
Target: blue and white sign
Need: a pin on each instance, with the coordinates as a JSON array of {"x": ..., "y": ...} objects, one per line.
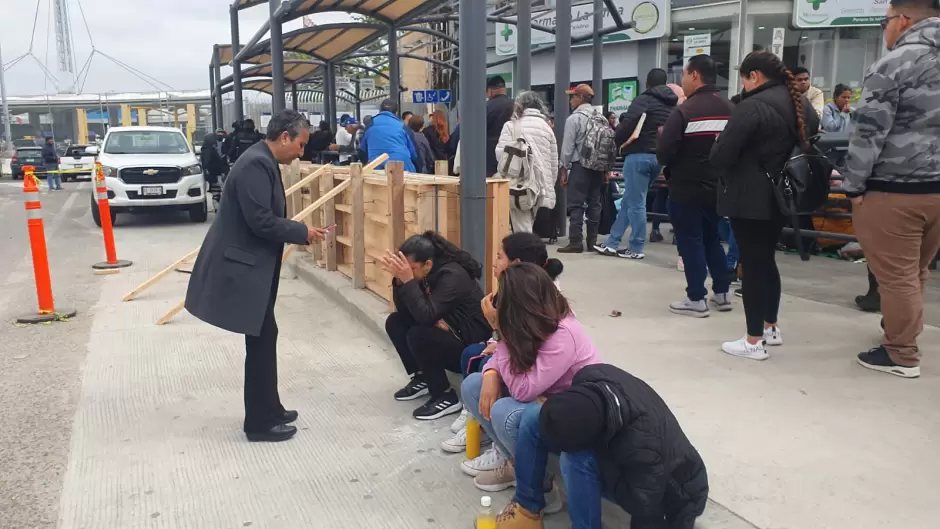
[
  {"x": 420, "y": 97},
  {"x": 444, "y": 96},
  {"x": 430, "y": 96},
  {"x": 417, "y": 96}
]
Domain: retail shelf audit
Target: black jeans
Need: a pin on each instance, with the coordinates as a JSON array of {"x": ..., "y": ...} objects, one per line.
[
  {"x": 262, "y": 402},
  {"x": 584, "y": 188},
  {"x": 757, "y": 245},
  {"x": 425, "y": 349}
]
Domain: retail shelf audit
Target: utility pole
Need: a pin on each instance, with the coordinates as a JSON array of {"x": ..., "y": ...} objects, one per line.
[{"x": 5, "y": 108}]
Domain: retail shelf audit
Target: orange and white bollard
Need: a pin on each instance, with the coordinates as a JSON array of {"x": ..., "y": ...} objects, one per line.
[
  {"x": 37, "y": 243},
  {"x": 104, "y": 210}
]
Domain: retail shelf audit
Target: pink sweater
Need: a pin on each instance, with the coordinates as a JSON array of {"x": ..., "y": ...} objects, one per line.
[{"x": 560, "y": 358}]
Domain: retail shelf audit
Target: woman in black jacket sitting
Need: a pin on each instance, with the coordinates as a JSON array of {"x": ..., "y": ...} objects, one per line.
[
  {"x": 437, "y": 298},
  {"x": 771, "y": 119}
]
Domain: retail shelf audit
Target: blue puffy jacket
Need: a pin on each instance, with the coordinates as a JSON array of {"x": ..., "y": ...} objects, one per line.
[{"x": 387, "y": 135}]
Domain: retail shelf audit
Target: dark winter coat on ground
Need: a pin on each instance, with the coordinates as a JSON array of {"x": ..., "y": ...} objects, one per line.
[
  {"x": 657, "y": 103},
  {"x": 425, "y": 162},
  {"x": 499, "y": 110},
  {"x": 686, "y": 143},
  {"x": 438, "y": 146},
  {"x": 647, "y": 464},
  {"x": 232, "y": 281},
  {"x": 450, "y": 294},
  {"x": 758, "y": 140}
]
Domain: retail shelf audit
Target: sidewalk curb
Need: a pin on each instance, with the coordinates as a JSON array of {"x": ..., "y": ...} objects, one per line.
[{"x": 371, "y": 311}]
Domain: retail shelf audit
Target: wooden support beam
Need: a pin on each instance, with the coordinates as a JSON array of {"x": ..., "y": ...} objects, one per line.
[
  {"x": 173, "y": 312},
  {"x": 314, "y": 220},
  {"x": 329, "y": 215},
  {"x": 327, "y": 197},
  {"x": 395, "y": 179},
  {"x": 358, "y": 226},
  {"x": 149, "y": 283},
  {"x": 309, "y": 179},
  {"x": 379, "y": 160}
]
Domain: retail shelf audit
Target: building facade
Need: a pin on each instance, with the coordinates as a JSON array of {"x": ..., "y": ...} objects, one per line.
[{"x": 836, "y": 40}]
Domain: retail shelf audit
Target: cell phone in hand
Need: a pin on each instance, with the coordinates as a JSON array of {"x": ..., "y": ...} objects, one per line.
[{"x": 331, "y": 227}]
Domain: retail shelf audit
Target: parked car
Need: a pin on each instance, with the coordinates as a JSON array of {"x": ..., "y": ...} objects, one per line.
[
  {"x": 24, "y": 156},
  {"x": 146, "y": 168},
  {"x": 75, "y": 157}
]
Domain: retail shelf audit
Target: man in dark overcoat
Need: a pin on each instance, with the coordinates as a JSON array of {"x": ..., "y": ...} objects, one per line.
[{"x": 235, "y": 278}]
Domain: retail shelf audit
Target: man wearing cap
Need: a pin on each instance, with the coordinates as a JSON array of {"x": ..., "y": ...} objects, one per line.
[
  {"x": 347, "y": 139},
  {"x": 387, "y": 135},
  {"x": 584, "y": 185}
]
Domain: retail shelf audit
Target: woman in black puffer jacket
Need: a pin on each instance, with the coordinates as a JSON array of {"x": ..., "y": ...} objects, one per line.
[{"x": 771, "y": 119}]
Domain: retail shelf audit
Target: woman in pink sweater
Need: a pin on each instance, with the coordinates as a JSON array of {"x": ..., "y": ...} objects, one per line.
[{"x": 542, "y": 346}]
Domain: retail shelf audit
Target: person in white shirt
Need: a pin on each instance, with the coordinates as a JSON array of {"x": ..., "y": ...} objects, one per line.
[
  {"x": 347, "y": 140},
  {"x": 813, "y": 94}
]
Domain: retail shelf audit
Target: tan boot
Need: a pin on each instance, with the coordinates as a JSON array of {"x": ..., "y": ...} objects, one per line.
[{"x": 515, "y": 517}]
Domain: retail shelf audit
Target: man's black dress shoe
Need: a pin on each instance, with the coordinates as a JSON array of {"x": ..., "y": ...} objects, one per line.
[
  {"x": 278, "y": 432},
  {"x": 288, "y": 417}
]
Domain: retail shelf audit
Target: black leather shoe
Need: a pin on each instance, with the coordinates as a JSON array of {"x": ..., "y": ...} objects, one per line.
[
  {"x": 277, "y": 433},
  {"x": 288, "y": 417}
]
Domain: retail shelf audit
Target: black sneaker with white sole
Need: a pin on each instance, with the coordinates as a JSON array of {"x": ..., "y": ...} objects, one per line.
[
  {"x": 878, "y": 359},
  {"x": 603, "y": 249},
  {"x": 437, "y": 407},
  {"x": 627, "y": 254},
  {"x": 415, "y": 389}
]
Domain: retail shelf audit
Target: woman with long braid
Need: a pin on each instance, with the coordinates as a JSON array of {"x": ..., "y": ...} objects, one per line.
[{"x": 771, "y": 120}]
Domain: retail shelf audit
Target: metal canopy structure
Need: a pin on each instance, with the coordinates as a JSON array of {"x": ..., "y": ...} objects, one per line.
[{"x": 328, "y": 42}]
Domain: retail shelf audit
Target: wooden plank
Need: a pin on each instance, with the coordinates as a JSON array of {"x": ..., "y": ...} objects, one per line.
[
  {"x": 150, "y": 282},
  {"x": 426, "y": 218},
  {"x": 371, "y": 217},
  {"x": 498, "y": 218},
  {"x": 329, "y": 216},
  {"x": 296, "y": 200},
  {"x": 315, "y": 220},
  {"x": 395, "y": 176},
  {"x": 441, "y": 168},
  {"x": 173, "y": 312},
  {"x": 358, "y": 227},
  {"x": 309, "y": 179},
  {"x": 327, "y": 198}
]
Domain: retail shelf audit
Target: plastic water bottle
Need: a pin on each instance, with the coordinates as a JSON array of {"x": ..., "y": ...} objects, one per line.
[{"x": 485, "y": 518}]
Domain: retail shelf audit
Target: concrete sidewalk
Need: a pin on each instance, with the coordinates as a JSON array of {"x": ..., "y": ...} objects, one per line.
[{"x": 807, "y": 439}]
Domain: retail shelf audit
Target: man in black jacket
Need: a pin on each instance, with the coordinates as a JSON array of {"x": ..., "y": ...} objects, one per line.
[
  {"x": 617, "y": 439},
  {"x": 235, "y": 279},
  {"x": 50, "y": 161},
  {"x": 640, "y": 167},
  {"x": 684, "y": 148},
  {"x": 499, "y": 109},
  {"x": 244, "y": 139}
]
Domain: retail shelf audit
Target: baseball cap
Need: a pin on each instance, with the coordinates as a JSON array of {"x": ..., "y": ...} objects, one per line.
[
  {"x": 349, "y": 120},
  {"x": 581, "y": 90}
]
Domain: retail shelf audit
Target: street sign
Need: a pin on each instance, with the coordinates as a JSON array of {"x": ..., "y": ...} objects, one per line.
[
  {"x": 777, "y": 43},
  {"x": 367, "y": 84},
  {"x": 417, "y": 96},
  {"x": 430, "y": 96},
  {"x": 444, "y": 96}
]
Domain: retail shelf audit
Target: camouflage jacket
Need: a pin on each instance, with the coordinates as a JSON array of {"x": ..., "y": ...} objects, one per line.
[{"x": 895, "y": 146}]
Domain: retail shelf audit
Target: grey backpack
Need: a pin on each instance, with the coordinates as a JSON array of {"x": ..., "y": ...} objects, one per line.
[{"x": 599, "y": 148}]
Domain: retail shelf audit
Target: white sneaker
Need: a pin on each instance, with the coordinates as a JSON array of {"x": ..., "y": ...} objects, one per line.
[
  {"x": 680, "y": 266},
  {"x": 773, "y": 336},
  {"x": 458, "y": 442},
  {"x": 489, "y": 460},
  {"x": 723, "y": 303},
  {"x": 687, "y": 307},
  {"x": 460, "y": 422},
  {"x": 746, "y": 350}
]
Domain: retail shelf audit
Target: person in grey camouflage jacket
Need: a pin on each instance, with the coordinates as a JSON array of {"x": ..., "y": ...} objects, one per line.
[{"x": 893, "y": 177}]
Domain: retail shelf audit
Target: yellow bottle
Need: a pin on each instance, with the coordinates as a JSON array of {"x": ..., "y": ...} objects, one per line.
[
  {"x": 473, "y": 438},
  {"x": 485, "y": 518}
]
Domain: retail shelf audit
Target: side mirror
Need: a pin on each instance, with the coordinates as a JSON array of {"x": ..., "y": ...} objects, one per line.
[{"x": 92, "y": 150}]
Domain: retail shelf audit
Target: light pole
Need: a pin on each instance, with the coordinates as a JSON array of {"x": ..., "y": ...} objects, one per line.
[{"x": 5, "y": 108}]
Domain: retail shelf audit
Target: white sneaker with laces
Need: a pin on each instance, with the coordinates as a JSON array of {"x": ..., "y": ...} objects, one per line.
[
  {"x": 680, "y": 266},
  {"x": 458, "y": 442},
  {"x": 489, "y": 460},
  {"x": 723, "y": 303},
  {"x": 460, "y": 422},
  {"x": 747, "y": 350},
  {"x": 773, "y": 336}
]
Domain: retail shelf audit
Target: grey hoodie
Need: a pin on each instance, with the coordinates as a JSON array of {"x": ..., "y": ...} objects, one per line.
[{"x": 895, "y": 146}]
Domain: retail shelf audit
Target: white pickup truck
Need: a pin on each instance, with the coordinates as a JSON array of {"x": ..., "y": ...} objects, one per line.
[
  {"x": 76, "y": 158},
  {"x": 147, "y": 168}
]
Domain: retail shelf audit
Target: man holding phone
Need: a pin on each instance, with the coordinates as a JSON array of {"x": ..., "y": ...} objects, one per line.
[{"x": 235, "y": 279}]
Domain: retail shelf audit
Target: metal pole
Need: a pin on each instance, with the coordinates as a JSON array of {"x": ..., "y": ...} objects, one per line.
[
  {"x": 5, "y": 108},
  {"x": 562, "y": 79},
  {"x": 394, "y": 85},
  {"x": 213, "y": 111},
  {"x": 293, "y": 96},
  {"x": 330, "y": 85},
  {"x": 597, "y": 82},
  {"x": 236, "y": 69},
  {"x": 473, "y": 131},
  {"x": 277, "y": 59},
  {"x": 358, "y": 102},
  {"x": 524, "y": 46}
]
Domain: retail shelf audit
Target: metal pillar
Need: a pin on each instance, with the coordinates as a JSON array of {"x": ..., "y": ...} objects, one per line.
[
  {"x": 562, "y": 79},
  {"x": 4, "y": 108},
  {"x": 524, "y": 46},
  {"x": 212, "y": 107},
  {"x": 597, "y": 82},
  {"x": 293, "y": 96},
  {"x": 394, "y": 72},
  {"x": 329, "y": 84},
  {"x": 277, "y": 59},
  {"x": 236, "y": 70},
  {"x": 358, "y": 102},
  {"x": 472, "y": 82}
]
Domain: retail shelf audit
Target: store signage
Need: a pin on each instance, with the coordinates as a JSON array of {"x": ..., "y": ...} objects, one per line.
[
  {"x": 650, "y": 20},
  {"x": 827, "y": 13},
  {"x": 700, "y": 44},
  {"x": 619, "y": 95},
  {"x": 366, "y": 84},
  {"x": 776, "y": 45}
]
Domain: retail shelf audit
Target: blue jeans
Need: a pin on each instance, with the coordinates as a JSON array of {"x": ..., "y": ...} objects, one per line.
[
  {"x": 579, "y": 470},
  {"x": 503, "y": 428},
  {"x": 639, "y": 171},
  {"x": 54, "y": 179},
  {"x": 696, "y": 229},
  {"x": 726, "y": 234},
  {"x": 469, "y": 361}
]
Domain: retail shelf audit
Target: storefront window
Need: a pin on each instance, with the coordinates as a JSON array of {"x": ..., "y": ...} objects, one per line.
[{"x": 712, "y": 37}]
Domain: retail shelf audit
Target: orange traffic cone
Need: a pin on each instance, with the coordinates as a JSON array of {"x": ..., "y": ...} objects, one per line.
[
  {"x": 104, "y": 209},
  {"x": 37, "y": 242}
]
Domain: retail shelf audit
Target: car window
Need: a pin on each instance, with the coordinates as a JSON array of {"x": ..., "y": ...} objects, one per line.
[
  {"x": 76, "y": 150},
  {"x": 146, "y": 142},
  {"x": 29, "y": 153}
]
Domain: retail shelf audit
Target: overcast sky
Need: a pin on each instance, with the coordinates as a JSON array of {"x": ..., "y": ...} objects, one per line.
[{"x": 170, "y": 40}]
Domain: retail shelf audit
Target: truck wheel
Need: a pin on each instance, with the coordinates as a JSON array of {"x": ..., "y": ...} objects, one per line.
[{"x": 199, "y": 212}]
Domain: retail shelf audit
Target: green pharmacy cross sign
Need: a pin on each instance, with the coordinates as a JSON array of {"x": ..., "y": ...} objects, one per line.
[
  {"x": 816, "y": 4},
  {"x": 507, "y": 32}
]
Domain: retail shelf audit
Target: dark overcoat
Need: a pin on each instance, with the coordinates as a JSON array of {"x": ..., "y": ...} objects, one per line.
[{"x": 234, "y": 278}]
